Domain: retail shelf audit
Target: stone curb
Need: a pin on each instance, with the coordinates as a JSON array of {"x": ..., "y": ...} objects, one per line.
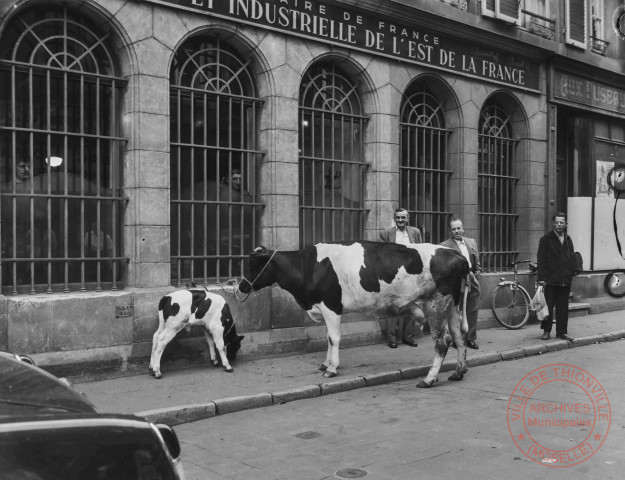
[{"x": 191, "y": 413}]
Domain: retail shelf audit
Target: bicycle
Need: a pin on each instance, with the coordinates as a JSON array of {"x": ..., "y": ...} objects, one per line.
[{"x": 511, "y": 301}]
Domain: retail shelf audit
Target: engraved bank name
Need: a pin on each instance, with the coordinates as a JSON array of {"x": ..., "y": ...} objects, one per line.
[{"x": 331, "y": 23}]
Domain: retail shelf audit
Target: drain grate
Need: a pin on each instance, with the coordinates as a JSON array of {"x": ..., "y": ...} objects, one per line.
[
  {"x": 308, "y": 435},
  {"x": 351, "y": 473}
]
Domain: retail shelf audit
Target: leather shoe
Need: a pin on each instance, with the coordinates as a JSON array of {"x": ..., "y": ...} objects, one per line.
[
  {"x": 411, "y": 343},
  {"x": 545, "y": 336},
  {"x": 566, "y": 337},
  {"x": 473, "y": 345},
  {"x": 392, "y": 345}
]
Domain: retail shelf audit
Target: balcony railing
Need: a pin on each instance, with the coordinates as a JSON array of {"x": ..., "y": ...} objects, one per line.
[
  {"x": 599, "y": 46},
  {"x": 541, "y": 26}
]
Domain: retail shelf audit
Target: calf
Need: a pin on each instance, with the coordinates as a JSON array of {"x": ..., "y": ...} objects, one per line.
[
  {"x": 331, "y": 279},
  {"x": 185, "y": 308}
]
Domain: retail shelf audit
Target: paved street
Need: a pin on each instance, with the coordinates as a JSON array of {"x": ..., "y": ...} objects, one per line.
[{"x": 396, "y": 431}]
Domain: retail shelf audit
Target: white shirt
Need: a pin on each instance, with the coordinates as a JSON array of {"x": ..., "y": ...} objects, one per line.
[
  {"x": 465, "y": 251},
  {"x": 402, "y": 237}
]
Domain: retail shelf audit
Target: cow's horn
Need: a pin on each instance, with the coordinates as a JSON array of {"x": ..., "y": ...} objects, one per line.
[{"x": 258, "y": 249}]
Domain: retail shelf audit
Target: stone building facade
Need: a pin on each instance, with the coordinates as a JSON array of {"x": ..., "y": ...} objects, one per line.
[{"x": 332, "y": 114}]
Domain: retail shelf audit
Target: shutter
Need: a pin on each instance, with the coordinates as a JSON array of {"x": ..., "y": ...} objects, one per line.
[
  {"x": 488, "y": 8},
  {"x": 576, "y": 22},
  {"x": 507, "y": 10}
]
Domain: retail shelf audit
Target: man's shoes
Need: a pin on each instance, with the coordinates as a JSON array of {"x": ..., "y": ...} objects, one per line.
[
  {"x": 411, "y": 343},
  {"x": 473, "y": 345},
  {"x": 545, "y": 336},
  {"x": 564, "y": 336},
  {"x": 453, "y": 344},
  {"x": 392, "y": 345}
]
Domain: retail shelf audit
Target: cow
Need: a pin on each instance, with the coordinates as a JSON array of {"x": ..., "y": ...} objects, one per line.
[
  {"x": 185, "y": 308},
  {"x": 331, "y": 279}
]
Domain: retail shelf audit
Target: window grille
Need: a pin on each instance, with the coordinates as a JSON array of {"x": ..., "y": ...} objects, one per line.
[
  {"x": 60, "y": 155},
  {"x": 331, "y": 157},
  {"x": 214, "y": 200},
  {"x": 496, "y": 188},
  {"x": 423, "y": 176}
]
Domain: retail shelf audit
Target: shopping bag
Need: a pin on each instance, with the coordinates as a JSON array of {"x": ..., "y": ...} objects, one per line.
[{"x": 538, "y": 303}]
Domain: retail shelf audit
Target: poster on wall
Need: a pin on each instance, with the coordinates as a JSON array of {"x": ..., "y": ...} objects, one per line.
[{"x": 603, "y": 170}]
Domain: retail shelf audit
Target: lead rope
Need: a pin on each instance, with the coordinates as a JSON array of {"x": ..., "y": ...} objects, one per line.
[{"x": 235, "y": 283}]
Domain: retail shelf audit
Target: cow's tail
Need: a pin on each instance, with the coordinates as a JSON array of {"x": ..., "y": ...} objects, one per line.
[{"x": 466, "y": 285}]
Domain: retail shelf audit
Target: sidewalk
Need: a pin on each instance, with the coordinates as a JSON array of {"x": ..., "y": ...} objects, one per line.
[{"x": 189, "y": 394}]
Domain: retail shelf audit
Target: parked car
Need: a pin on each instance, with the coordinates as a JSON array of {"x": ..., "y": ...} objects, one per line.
[{"x": 50, "y": 431}]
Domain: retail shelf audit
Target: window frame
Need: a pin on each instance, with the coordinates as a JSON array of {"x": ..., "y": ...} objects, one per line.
[
  {"x": 75, "y": 227},
  {"x": 568, "y": 38}
]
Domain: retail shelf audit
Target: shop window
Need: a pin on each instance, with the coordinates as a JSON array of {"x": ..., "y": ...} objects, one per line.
[
  {"x": 60, "y": 155},
  {"x": 423, "y": 164},
  {"x": 496, "y": 188},
  {"x": 575, "y": 28},
  {"x": 214, "y": 199},
  {"x": 331, "y": 169}
]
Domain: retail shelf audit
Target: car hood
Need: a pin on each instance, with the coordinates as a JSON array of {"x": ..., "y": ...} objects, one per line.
[{"x": 28, "y": 389}]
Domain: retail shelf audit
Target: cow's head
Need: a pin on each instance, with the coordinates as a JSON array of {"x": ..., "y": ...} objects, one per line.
[
  {"x": 233, "y": 346},
  {"x": 260, "y": 271}
]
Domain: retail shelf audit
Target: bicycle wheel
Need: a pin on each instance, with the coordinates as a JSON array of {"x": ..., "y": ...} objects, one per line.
[{"x": 511, "y": 306}]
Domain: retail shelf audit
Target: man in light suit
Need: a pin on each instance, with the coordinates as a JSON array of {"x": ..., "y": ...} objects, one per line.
[
  {"x": 468, "y": 247},
  {"x": 401, "y": 233}
]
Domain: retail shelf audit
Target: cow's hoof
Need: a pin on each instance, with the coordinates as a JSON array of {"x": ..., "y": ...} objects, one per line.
[
  {"x": 215, "y": 363},
  {"x": 424, "y": 384},
  {"x": 151, "y": 371},
  {"x": 158, "y": 375},
  {"x": 328, "y": 374},
  {"x": 455, "y": 377},
  {"x": 323, "y": 367}
]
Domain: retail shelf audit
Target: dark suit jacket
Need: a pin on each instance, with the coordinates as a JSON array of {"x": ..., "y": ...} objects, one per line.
[
  {"x": 556, "y": 261},
  {"x": 414, "y": 234},
  {"x": 476, "y": 267}
]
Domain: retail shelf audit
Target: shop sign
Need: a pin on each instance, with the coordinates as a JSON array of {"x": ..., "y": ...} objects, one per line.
[
  {"x": 588, "y": 92},
  {"x": 353, "y": 29}
]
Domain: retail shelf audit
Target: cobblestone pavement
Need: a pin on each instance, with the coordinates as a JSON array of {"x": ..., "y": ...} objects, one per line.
[{"x": 396, "y": 431}]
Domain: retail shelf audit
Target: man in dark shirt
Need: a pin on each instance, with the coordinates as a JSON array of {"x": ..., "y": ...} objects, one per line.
[{"x": 556, "y": 268}]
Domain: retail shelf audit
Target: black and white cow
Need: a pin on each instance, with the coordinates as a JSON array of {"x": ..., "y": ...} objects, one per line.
[
  {"x": 185, "y": 308},
  {"x": 331, "y": 279}
]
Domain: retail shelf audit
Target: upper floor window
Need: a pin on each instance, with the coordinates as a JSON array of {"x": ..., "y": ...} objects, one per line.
[
  {"x": 576, "y": 19},
  {"x": 214, "y": 201},
  {"x": 331, "y": 124},
  {"x": 60, "y": 154},
  {"x": 504, "y": 10},
  {"x": 536, "y": 18}
]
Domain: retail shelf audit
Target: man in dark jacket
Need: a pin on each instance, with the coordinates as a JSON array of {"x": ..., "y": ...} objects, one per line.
[{"x": 556, "y": 268}]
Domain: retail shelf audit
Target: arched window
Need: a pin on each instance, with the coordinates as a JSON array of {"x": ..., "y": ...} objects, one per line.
[
  {"x": 496, "y": 188},
  {"x": 60, "y": 154},
  {"x": 331, "y": 169},
  {"x": 423, "y": 174},
  {"x": 214, "y": 202}
]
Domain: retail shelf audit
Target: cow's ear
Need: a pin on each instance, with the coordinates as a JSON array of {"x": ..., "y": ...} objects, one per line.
[{"x": 241, "y": 337}]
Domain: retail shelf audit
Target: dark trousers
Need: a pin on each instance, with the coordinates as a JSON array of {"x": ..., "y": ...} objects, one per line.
[
  {"x": 557, "y": 297},
  {"x": 408, "y": 329},
  {"x": 473, "y": 307}
]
